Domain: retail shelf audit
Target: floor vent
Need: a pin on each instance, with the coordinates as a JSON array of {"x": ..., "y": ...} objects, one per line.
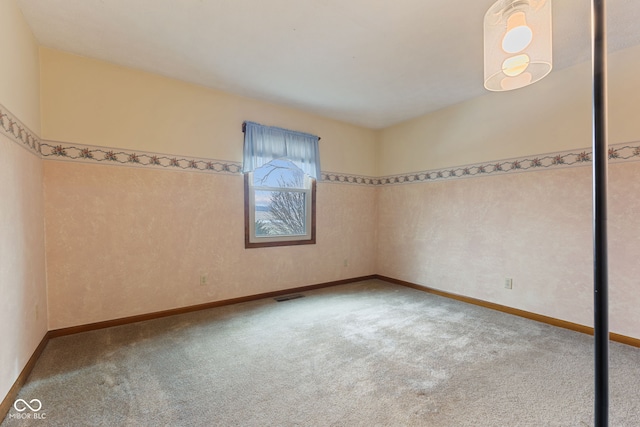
[{"x": 289, "y": 297}]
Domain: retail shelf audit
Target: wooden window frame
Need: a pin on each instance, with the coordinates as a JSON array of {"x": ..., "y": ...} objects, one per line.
[{"x": 247, "y": 221}]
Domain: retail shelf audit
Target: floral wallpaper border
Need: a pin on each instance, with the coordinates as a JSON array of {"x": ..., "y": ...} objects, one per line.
[
  {"x": 54, "y": 150},
  {"x": 574, "y": 158},
  {"x": 91, "y": 154},
  {"x": 340, "y": 178},
  {"x": 15, "y": 130}
]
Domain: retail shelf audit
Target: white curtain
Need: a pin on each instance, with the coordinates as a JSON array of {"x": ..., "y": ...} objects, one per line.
[{"x": 263, "y": 144}]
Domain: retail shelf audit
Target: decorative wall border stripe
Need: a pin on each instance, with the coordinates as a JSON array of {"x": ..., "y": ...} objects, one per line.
[
  {"x": 340, "y": 178},
  {"x": 17, "y": 131},
  {"x": 54, "y": 150},
  {"x": 14, "y": 129},
  {"x": 617, "y": 153}
]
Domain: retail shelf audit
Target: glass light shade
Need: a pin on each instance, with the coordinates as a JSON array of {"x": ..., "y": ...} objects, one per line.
[{"x": 517, "y": 43}]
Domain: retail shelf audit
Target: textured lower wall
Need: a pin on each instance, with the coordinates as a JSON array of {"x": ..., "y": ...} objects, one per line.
[
  {"x": 123, "y": 241},
  {"x": 466, "y": 236},
  {"x": 23, "y": 293}
]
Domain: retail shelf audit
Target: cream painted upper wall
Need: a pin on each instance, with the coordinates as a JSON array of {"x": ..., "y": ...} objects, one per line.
[
  {"x": 551, "y": 115},
  {"x": 19, "y": 67},
  {"x": 87, "y": 101}
]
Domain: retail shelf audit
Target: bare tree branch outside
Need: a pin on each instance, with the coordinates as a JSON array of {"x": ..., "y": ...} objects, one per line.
[{"x": 285, "y": 210}]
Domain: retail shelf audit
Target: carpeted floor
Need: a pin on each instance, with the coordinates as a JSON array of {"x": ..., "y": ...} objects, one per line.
[{"x": 364, "y": 354}]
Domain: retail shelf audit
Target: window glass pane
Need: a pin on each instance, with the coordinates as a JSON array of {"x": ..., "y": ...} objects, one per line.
[
  {"x": 280, "y": 206},
  {"x": 280, "y": 213},
  {"x": 279, "y": 173}
]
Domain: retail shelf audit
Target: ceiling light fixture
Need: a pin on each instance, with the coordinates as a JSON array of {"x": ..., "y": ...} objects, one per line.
[{"x": 517, "y": 43}]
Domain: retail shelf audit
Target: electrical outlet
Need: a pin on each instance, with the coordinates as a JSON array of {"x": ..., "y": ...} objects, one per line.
[
  {"x": 204, "y": 280},
  {"x": 508, "y": 283},
  {"x": 345, "y": 263}
]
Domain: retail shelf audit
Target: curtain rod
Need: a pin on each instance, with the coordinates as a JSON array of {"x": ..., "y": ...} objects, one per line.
[{"x": 244, "y": 129}]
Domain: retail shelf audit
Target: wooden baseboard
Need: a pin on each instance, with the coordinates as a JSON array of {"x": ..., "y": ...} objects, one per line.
[
  {"x": 622, "y": 339},
  {"x": 158, "y": 314},
  {"x": 7, "y": 402},
  {"x": 634, "y": 342}
]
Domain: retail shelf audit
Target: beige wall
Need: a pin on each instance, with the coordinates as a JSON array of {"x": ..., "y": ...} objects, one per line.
[
  {"x": 466, "y": 235},
  {"x": 91, "y": 102},
  {"x": 20, "y": 82},
  {"x": 123, "y": 241},
  {"x": 23, "y": 303},
  {"x": 552, "y": 115},
  {"x": 124, "y": 224}
]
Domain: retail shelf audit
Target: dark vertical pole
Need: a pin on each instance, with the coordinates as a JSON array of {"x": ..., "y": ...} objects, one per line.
[{"x": 600, "y": 161}]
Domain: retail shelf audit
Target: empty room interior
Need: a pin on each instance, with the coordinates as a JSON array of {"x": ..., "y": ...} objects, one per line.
[{"x": 444, "y": 274}]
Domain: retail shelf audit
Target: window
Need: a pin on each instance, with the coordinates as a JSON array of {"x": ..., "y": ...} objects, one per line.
[
  {"x": 279, "y": 186},
  {"x": 279, "y": 206}
]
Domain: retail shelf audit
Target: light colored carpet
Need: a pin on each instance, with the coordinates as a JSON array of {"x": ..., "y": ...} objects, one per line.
[{"x": 364, "y": 354}]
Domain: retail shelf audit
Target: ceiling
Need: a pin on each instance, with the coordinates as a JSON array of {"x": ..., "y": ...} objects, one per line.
[{"x": 372, "y": 63}]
